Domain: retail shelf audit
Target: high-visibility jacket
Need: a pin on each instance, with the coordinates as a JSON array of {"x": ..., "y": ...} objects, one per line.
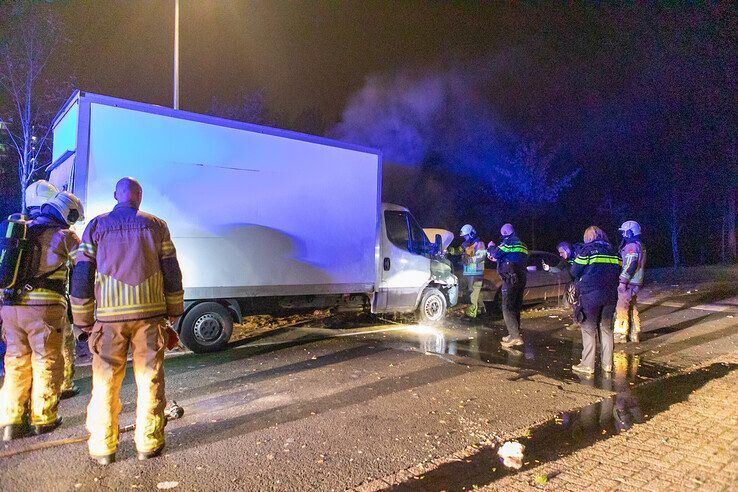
[
  {"x": 511, "y": 256},
  {"x": 126, "y": 269},
  {"x": 633, "y": 256},
  {"x": 596, "y": 269},
  {"x": 473, "y": 254},
  {"x": 57, "y": 249}
]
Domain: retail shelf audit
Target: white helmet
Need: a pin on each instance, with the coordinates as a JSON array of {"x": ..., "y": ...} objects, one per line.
[
  {"x": 630, "y": 228},
  {"x": 39, "y": 192},
  {"x": 507, "y": 230},
  {"x": 467, "y": 230},
  {"x": 68, "y": 206}
]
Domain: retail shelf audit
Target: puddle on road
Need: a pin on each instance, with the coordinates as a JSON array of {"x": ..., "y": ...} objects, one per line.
[
  {"x": 572, "y": 431},
  {"x": 541, "y": 353}
]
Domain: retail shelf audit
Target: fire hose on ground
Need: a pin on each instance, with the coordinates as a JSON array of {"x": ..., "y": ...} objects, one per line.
[{"x": 172, "y": 412}]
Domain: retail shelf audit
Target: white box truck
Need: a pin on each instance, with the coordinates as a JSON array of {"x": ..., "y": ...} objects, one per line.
[{"x": 263, "y": 219}]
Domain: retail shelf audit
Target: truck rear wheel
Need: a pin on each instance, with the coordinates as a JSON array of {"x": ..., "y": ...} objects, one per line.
[
  {"x": 207, "y": 327},
  {"x": 432, "y": 307}
]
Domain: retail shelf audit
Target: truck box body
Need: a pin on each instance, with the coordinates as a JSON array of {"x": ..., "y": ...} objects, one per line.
[{"x": 253, "y": 211}]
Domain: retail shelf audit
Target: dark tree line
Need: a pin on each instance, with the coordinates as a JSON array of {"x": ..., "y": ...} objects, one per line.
[{"x": 609, "y": 114}]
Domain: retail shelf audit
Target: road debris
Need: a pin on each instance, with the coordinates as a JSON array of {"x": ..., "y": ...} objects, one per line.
[{"x": 512, "y": 454}]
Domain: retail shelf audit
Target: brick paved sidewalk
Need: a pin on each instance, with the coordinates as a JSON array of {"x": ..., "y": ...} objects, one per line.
[{"x": 692, "y": 445}]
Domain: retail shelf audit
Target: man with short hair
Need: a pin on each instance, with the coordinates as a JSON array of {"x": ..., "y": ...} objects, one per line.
[{"x": 126, "y": 287}]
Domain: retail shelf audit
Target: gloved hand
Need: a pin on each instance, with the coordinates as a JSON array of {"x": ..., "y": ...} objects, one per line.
[
  {"x": 172, "y": 339},
  {"x": 81, "y": 334}
]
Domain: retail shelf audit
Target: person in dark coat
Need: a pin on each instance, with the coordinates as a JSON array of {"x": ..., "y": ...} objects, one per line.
[
  {"x": 512, "y": 261},
  {"x": 596, "y": 269}
]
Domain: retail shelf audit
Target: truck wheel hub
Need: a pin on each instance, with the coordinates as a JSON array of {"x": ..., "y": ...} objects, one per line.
[
  {"x": 433, "y": 308},
  {"x": 208, "y": 328}
]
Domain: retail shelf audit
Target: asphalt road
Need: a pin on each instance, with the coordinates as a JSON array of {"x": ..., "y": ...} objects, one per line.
[{"x": 332, "y": 408}]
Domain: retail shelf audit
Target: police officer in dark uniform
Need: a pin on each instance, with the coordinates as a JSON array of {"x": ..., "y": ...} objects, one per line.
[
  {"x": 512, "y": 261},
  {"x": 596, "y": 269}
]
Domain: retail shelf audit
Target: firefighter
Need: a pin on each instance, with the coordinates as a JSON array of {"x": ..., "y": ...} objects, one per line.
[
  {"x": 596, "y": 269},
  {"x": 472, "y": 257},
  {"x": 633, "y": 256},
  {"x": 34, "y": 322},
  {"x": 37, "y": 194},
  {"x": 126, "y": 288},
  {"x": 512, "y": 262}
]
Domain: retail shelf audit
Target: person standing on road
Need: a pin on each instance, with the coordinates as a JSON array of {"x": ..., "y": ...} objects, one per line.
[
  {"x": 34, "y": 318},
  {"x": 37, "y": 194},
  {"x": 126, "y": 283},
  {"x": 472, "y": 257},
  {"x": 596, "y": 269},
  {"x": 512, "y": 262},
  {"x": 633, "y": 256}
]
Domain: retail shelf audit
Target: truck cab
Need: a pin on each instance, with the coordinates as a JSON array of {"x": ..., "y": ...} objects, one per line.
[{"x": 414, "y": 275}]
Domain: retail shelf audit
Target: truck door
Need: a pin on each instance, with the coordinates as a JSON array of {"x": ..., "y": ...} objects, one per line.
[{"x": 405, "y": 260}]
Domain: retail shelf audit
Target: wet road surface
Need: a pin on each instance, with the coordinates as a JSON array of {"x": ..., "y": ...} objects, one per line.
[{"x": 331, "y": 408}]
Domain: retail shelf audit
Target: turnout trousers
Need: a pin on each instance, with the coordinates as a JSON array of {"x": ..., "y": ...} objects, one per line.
[
  {"x": 33, "y": 363},
  {"x": 68, "y": 354},
  {"x": 474, "y": 288},
  {"x": 627, "y": 319},
  {"x": 597, "y": 318},
  {"x": 512, "y": 304},
  {"x": 109, "y": 344}
]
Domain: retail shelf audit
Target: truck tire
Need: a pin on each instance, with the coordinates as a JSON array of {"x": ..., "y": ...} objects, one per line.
[
  {"x": 207, "y": 327},
  {"x": 432, "y": 306}
]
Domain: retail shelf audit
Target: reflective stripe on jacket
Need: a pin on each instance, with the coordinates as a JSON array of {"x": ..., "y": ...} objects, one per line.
[
  {"x": 511, "y": 250},
  {"x": 633, "y": 255},
  {"x": 596, "y": 268},
  {"x": 473, "y": 255},
  {"x": 58, "y": 247},
  {"x": 126, "y": 269}
]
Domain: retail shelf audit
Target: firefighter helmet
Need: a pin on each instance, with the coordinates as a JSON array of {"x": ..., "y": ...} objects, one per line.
[
  {"x": 68, "y": 206},
  {"x": 468, "y": 230},
  {"x": 39, "y": 192},
  {"x": 630, "y": 228},
  {"x": 507, "y": 230}
]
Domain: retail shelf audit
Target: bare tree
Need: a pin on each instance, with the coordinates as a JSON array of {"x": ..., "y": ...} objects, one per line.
[
  {"x": 530, "y": 179},
  {"x": 31, "y": 35}
]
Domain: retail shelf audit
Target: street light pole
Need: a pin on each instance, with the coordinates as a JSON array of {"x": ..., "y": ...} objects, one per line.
[{"x": 176, "y": 54}]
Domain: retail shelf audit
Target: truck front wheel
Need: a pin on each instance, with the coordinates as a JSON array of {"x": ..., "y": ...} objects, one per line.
[
  {"x": 432, "y": 307},
  {"x": 207, "y": 327}
]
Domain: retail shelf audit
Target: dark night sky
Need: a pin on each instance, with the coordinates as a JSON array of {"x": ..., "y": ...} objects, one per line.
[{"x": 301, "y": 54}]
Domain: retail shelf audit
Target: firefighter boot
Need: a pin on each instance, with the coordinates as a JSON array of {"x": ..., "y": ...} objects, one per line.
[
  {"x": 635, "y": 327},
  {"x": 69, "y": 389},
  {"x": 621, "y": 328}
]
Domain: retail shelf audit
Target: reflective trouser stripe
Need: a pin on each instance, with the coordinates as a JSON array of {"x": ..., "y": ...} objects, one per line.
[
  {"x": 109, "y": 343},
  {"x": 33, "y": 363},
  {"x": 627, "y": 319},
  {"x": 69, "y": 353}
]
